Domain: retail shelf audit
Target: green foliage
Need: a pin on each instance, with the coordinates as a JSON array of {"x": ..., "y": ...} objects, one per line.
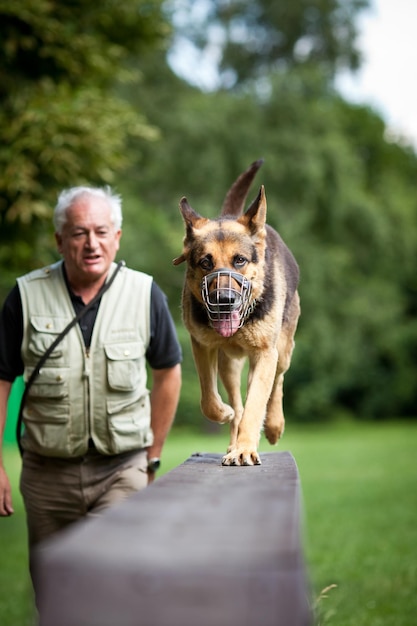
[
  {"x": 59, "y": 134},
  {"x": 79, "y": 40},
  {"x": 61, "y": 120}
]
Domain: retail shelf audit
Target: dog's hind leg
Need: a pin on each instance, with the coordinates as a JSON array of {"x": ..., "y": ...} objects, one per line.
[
  {"x": 274, "y": 421},
  {"x": 212, "y": 406},
  {"x": 230, "y": 370}
]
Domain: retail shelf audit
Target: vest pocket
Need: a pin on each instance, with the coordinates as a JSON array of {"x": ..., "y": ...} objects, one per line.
[
  {"x": 48, "y": 394},
  {"x": 129, "y": 423},
  {"x": 47, "y": 436},
  {"x": 47, "y": 412},
  {"x": 51, "y": 381},
  {"x": 123, "y": 365},
  {"x": 44, "y": 331}
]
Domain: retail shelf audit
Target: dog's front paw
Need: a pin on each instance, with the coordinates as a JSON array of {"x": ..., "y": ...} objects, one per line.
[
  {"x": 221, "y": 413},
  {"x": 241, "y": 456}
]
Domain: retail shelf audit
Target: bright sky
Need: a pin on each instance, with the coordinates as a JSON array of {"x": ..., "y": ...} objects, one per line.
[{"x": 388, "y": 78}]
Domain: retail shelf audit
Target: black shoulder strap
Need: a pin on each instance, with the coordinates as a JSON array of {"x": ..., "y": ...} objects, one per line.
[{"x": 52, "y": 347}]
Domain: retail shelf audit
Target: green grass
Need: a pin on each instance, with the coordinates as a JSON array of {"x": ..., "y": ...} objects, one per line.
[{"x": 360, "y": 521}]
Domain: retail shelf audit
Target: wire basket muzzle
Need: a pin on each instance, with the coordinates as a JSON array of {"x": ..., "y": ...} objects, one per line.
[{"x": 226, "y": 296}]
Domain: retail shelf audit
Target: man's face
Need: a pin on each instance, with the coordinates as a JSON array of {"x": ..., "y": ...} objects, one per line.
[{"x": 89, "y": 241}]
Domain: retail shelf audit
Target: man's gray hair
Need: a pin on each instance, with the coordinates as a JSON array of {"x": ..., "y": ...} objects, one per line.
[{"x": 68, "y": 196}]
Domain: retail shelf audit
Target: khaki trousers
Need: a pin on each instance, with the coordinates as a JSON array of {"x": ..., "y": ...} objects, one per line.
[{"x": 57, "y": 492}]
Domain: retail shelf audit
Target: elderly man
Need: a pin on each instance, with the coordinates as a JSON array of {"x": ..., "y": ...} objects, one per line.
[{"x": 93, "y": 433}]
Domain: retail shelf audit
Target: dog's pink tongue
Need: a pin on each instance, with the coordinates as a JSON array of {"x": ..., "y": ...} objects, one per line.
[{"x": 227, "y": 326}]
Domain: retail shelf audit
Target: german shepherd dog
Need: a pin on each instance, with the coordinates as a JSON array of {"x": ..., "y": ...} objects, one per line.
[{"x": 240, "y": 301}]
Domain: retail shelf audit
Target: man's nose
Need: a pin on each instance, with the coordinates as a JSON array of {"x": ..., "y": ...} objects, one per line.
[{"x": 92, "y": 241}]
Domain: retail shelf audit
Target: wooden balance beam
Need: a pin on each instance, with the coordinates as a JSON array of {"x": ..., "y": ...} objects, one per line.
[{"x": 204, "y": 545}]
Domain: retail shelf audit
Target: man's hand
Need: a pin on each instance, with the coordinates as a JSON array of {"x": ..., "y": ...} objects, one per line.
[
  {"x": 151, "y": 477},
  {"x": 6, "y": 507}
]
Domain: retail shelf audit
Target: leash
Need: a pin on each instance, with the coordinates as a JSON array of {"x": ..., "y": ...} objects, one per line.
[{"x": 52, "y": 347}]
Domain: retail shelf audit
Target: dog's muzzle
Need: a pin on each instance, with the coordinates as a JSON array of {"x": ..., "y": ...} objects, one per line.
[{"x": 226, "y": 296}]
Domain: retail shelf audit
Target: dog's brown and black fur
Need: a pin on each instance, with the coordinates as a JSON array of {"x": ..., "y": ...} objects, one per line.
[{"x": 243, "y": 244}]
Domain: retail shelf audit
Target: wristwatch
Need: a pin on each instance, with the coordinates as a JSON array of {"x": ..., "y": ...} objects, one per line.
[{"x": 154, "y": 464}]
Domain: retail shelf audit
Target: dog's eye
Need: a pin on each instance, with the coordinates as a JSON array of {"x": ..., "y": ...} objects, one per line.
[
  {"x": 206, "y": 263},
  {"x": 240, "y": 261}
]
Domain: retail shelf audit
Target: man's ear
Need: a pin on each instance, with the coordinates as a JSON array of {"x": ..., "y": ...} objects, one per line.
[
  {"x": 58, "y": 239},
  {"x": 118, "y": 235}
]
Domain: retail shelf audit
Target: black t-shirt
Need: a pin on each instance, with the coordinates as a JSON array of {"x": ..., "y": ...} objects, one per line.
[{"x": 163, "y": 351}]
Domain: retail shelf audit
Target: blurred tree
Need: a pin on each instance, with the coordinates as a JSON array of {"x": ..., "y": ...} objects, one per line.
[
  {"x": 61, "y": 121},
  {"x": 247, "y": 39}
]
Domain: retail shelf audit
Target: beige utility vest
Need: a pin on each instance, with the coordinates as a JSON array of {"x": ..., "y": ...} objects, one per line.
[{"x": 99, "y": 393}]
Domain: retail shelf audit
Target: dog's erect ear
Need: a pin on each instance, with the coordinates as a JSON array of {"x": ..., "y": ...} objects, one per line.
[
  {"x": 234, "y": 201},
  {"x": 190, "y": 216},
  {"x": 255, "y": 216},
  {"x": 178, "y": 260},
  {"x": 192, "y": 220}
]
